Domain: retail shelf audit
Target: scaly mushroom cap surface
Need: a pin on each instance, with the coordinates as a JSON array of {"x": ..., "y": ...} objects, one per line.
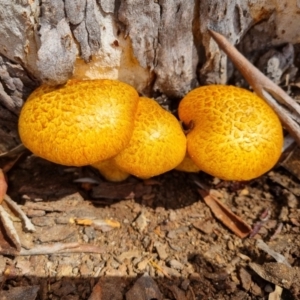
[
  {"x": 110, "y": 171},
  {"x": 158, "y": 143},
  {"x": 187, "y": 165},
  {"x": 235, "y": 134},
  {"x": 79, "y": 123}
]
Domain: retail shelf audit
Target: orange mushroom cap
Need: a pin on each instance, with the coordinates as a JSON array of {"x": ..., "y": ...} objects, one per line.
[
  {"x": 236, "y": 135},
  {"x": 79, "y": 123},
  {"x": 110, "y": 171},
  {"x": 158, "y": 143},
  {"x": 187, "y": 165}
]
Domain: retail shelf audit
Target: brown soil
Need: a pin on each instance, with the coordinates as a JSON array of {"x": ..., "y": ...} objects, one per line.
[{"x": 168, "y": 245}]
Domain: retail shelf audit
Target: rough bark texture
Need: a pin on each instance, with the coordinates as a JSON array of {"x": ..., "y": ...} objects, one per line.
[{"x": 160, "y": 47}]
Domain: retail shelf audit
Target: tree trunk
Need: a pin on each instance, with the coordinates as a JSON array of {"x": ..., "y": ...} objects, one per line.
[{"x": 160, "y": 47}]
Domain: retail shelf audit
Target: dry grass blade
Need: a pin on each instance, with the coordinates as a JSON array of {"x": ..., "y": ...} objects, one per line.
[
  {"x": 225, "y": 215},
  {"x": 14, "y": 152},
  {"x": 277, "y": 256},
  {"x": 15, "y": 207},
  {"x": 9, "y": 228}
]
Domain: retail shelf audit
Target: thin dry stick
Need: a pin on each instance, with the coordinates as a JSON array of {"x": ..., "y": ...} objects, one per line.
[
  {"x": 264, "y": 87},
  {"x": 14, "y": 152},
  {"x": 58, "y": 248},
  {"x": 9, "y": 228},
  {"x": 277, "y": 256},
  {"x": 15, "y": 207}
]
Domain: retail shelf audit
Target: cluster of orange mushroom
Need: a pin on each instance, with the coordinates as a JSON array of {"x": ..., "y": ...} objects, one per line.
[{"x": 233, "y": 134}]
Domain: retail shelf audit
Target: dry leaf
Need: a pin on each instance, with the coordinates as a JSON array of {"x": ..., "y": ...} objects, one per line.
[{"x": 224, "y": 214}]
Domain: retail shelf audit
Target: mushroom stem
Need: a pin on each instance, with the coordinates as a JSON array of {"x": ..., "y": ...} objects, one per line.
[{"x": 264, "y": 87}]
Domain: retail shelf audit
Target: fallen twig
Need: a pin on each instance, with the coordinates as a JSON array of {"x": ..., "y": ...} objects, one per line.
[
  {"x": 277, "y": 256},
  {"x": 9, "y": 228},
  {"x": 61, "y": 248},
  {"x": 14, "y": 152}
]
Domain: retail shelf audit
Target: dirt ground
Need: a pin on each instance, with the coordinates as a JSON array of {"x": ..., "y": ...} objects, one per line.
[{"x": 153, "y": 239}]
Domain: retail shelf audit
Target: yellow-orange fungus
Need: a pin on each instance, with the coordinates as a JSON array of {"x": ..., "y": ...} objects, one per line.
[
  {"x": 79, "y": 123},
  {"x": 158, "y": 143},
  {"x": 236, "y": 135}
]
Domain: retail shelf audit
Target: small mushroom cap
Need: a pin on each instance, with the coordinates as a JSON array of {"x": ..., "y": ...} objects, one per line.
[
  {"x": 79, "y": 123},
  {"x": 110, "y": 171},
  {"x": 236, "y": 135},
  {"x": 187, "y": 165},
  {"x": 158, "y": 143}
]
